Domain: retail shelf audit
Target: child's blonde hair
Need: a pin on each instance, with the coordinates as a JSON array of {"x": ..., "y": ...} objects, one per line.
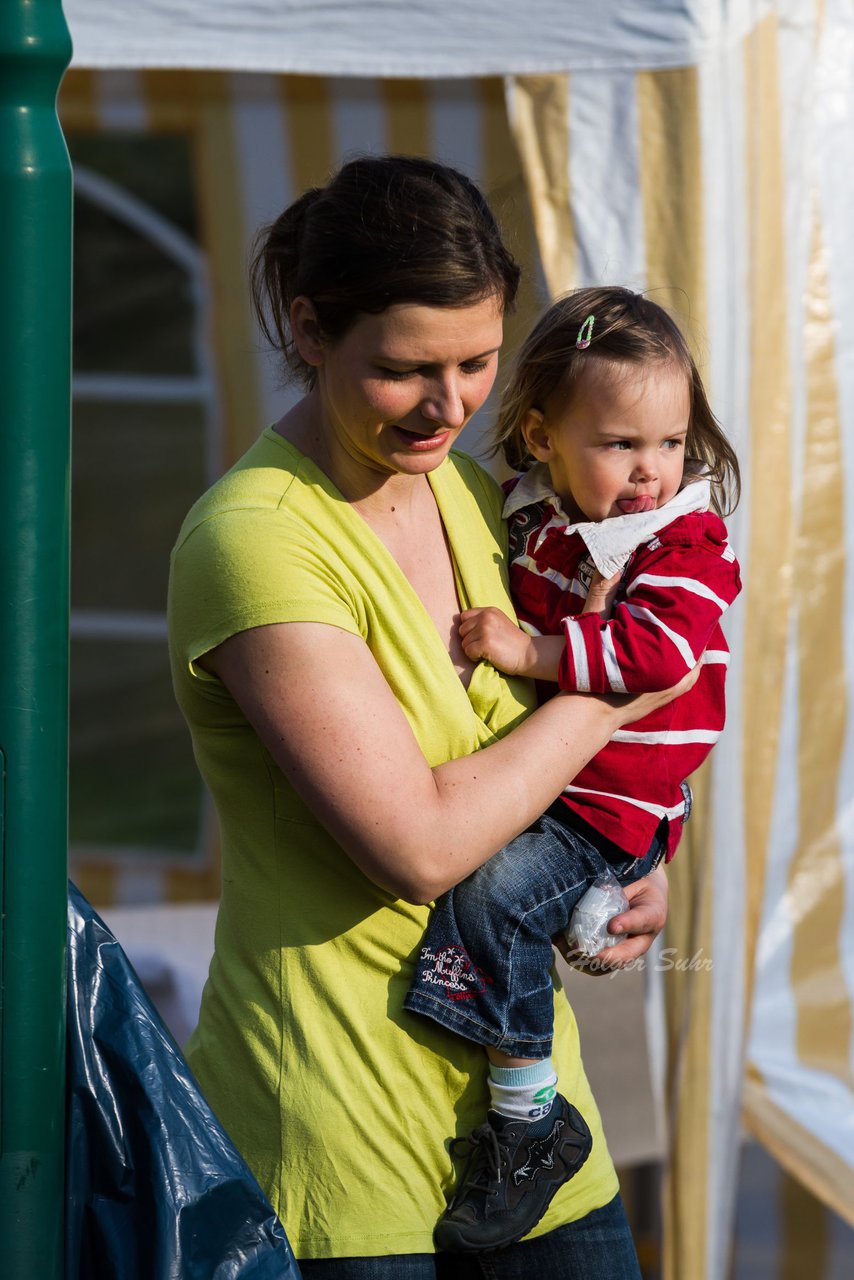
[{"x": 628, "y": 328}]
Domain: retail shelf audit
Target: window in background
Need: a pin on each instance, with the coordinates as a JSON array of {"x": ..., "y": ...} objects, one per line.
[{"x": 145, "y": 445}]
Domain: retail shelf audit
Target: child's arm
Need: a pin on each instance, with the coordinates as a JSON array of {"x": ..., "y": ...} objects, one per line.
[
  {"x": 675, "y": 596},
  {"x": 489, "y": 633}
]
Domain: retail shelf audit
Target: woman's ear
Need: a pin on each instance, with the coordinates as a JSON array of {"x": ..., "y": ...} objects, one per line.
[
  {"x": 306, "y": 331},
  {"x": 536, "y": 435}
]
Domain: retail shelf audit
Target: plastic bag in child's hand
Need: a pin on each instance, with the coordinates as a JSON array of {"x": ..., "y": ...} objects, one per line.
[
  {"x": 154, "y": 1187},
  {"x": 588, "y": 929}
]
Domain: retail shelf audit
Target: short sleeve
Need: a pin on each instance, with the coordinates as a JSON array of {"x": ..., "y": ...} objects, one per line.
[{"x": 249, "y": 568}]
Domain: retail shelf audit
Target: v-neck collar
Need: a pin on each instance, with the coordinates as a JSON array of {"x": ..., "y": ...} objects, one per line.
[{"x": 452, "y": 518}]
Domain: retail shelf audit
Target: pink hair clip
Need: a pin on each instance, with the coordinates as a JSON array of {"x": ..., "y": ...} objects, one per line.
[{"x": 585, "y": 334}]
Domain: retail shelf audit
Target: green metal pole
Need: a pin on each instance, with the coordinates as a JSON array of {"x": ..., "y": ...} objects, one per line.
[{"x": 35, "y": 379}]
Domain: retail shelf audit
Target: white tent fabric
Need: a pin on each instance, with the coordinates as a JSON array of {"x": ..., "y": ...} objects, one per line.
[{"x": 435, "y": 38}]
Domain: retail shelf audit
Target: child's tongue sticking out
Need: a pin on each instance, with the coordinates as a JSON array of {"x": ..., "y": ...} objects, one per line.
[{"x": 631, "y": 506}]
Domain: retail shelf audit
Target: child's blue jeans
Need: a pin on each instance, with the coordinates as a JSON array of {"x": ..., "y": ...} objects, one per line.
[{"x": 485, "y": 966}]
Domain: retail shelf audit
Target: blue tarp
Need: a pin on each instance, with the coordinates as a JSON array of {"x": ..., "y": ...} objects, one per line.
[{"x": 155, "y": 1188}]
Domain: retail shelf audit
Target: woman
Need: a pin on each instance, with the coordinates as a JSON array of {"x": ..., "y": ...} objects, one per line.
[{"x": 360, "y": 764}]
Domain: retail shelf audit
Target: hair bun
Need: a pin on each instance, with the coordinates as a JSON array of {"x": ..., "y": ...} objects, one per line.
[{"x": 384, "y": 230}]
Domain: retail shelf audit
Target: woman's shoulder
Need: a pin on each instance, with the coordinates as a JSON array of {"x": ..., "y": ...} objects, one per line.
[
  {"x": 268, "y": 530},
  {"x": 257, "y": 481},
  {"x": 267, "y": 543},
  {"x": 272, "y": 486}
]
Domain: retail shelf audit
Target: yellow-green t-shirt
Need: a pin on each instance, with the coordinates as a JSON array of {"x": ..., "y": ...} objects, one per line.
[{"x": 341, "y": 1102}]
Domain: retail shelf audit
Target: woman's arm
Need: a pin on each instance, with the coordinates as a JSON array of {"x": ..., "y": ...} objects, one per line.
[{"x": 321, "y": 706}]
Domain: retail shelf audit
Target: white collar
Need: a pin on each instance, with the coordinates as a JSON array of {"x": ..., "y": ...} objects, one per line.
[{"x": 610, "y": 542}]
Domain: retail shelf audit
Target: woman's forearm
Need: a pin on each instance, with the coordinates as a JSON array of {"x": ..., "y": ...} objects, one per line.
[
  {"x": 322, "y": 708},
  {"x": 500, "y": 790},
  {"x": 483, "y": 800}
]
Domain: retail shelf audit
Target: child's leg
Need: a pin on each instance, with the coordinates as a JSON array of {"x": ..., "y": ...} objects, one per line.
[
  {"x": 485, "y": 971},
  {"x": 521, "y": 1088},
  {"x": 485, "y": 967}
]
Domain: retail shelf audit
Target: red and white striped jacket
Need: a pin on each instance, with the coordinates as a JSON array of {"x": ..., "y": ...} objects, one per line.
[{"x": 676, "y": 585}]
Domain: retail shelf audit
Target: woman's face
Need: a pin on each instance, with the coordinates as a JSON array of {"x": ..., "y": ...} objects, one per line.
[{"x": 398, "y": 388}]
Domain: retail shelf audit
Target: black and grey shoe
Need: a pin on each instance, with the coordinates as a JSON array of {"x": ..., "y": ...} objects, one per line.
[{"x": 513, "y": 1170}]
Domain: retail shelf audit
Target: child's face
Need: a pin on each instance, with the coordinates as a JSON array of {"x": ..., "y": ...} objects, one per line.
[{"x": 616, "y": 445}]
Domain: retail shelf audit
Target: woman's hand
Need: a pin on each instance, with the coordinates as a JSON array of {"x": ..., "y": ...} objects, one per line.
[
  {"x": 639, "y": 705},
  {"x": 640, "y": 926}
]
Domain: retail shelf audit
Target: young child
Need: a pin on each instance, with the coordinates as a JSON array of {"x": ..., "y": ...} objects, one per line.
[{"x": 621, "y": 459}]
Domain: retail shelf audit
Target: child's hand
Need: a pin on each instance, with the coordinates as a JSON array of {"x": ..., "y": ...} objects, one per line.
[
  {"x": 489, "y": 633},
  {"x": 601, "y": 593}
]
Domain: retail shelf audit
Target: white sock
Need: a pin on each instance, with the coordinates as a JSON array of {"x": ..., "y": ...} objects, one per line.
[{"x": 523, "y": 1093}]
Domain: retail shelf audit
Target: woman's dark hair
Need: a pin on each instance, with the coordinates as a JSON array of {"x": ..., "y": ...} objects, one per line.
[
  {"x": 628, "y": 329},
  {"x": 384, "y": 230}
]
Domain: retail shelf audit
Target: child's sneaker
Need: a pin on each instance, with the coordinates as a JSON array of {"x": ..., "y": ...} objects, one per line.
[{"x": 514, "y": 1169}]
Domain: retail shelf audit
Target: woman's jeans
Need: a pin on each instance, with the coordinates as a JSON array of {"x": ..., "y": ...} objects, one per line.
[
  {"x": 484, "y": 970},
  {"x": 597, "y": 1247}
]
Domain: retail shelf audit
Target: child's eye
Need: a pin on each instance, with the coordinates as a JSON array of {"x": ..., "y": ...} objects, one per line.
[
  {"x": 618, "y": 444},
  {"x": 674, "y": 444}
]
